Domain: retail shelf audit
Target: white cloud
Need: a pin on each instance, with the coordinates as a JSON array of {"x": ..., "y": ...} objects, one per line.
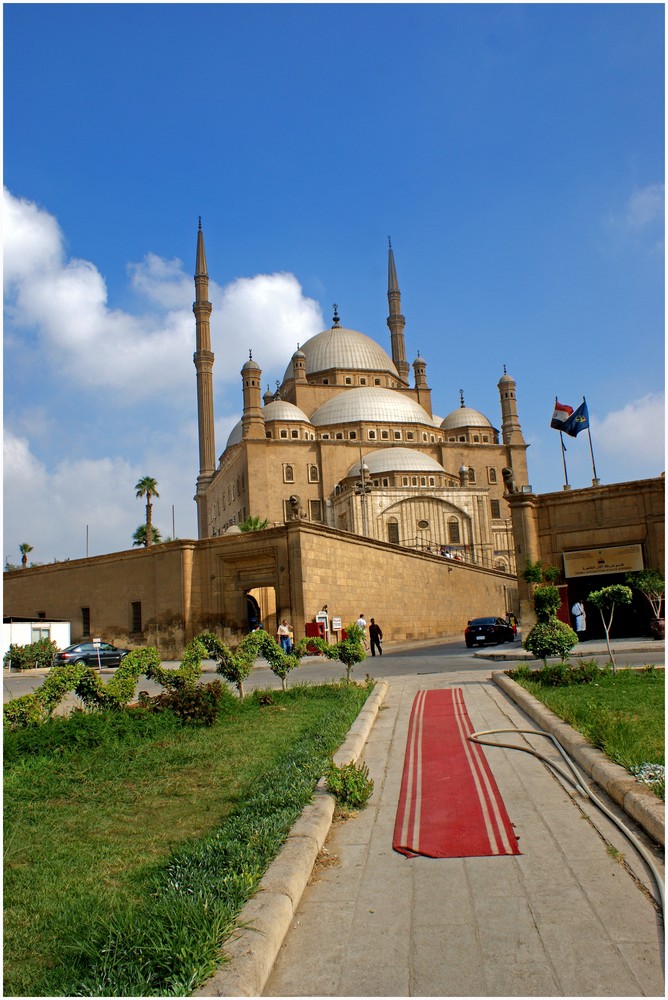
[
  {"x": 125, "y": 368},
  {"x": 65, "y": 302},
  {"x": 632, "y": 439},
  {"x": 645, "y": 206}
]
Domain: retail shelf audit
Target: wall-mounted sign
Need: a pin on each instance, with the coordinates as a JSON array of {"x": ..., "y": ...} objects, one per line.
[
  {"x": 599, "y": 562},
  {"x": 336, "y": 624}
]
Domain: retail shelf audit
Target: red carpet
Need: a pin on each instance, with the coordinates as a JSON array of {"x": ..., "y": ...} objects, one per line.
[{"x": 450, "y": 806}]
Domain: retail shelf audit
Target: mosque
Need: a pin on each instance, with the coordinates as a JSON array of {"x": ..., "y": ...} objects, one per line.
[{"x": 348, "y": 440}]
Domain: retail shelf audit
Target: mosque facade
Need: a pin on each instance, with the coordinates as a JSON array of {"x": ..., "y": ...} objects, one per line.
[{"x": 349, "y": 440}]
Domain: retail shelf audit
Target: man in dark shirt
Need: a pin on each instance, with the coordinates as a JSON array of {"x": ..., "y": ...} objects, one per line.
[{"x": 375, "y": 635}]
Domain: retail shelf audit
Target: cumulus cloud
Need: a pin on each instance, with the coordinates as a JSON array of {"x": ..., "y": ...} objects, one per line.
[
  {"x": 645, "y": 207},
  {"x": 124, "y": 367},
  {"x": 632, "y": 438},
  {"x": 65, "y": 302}
]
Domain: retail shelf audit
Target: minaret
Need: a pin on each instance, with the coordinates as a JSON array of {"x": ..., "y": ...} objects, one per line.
[
  {"x": 203, "y": 358},
  {"x": 252, "y": 420},
  {"x": 511, "y": 431},
  {"x": 395, "y": 320}
]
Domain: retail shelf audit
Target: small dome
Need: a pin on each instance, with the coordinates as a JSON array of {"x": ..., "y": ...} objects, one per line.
[
  {"x": 372, "y": 404},
  {"x": 464, "y": 416},
  {"x": 233, "y": 529},
  {"x": 236, "y": 435},
  {"x": 344, "y": 349},
  {"x": 298, "y": 355},
  {"x": 396, "y": 460},
  {"x": 251, "y": 365},
  {"x": 505, "y": 378},
  {"x": 280, "y": 409}
]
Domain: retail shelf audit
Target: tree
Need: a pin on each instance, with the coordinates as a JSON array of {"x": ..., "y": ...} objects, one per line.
[
  {"x": 254, "y": 524},
  {"x": 651, "y": 584},
  {"x": 549, "y": 636},
  {"x": 24, "y": 549},
  {"x": 606, "y": 600},
  {"x": 148, "y": 487},
  {"x": 139, "y": 537}
]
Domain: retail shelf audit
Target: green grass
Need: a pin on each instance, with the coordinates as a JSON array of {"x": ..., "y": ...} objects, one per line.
[
  {"x": 622, "y": 713},
  {"x": 132, "y": 842}
]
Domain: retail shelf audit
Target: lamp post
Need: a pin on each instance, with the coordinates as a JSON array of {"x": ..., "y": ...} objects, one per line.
[{"x": 361, "y": 490}]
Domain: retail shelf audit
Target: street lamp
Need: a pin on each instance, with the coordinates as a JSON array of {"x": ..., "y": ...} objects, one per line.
[{"x": 361, "y": 490}]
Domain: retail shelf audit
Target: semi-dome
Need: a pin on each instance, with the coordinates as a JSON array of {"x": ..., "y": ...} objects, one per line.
[
  {"x": 280, "y": 409},
  {"x": 236, "y": 435},
  {"x": 345, "y": 349},
  {"x": 370, "y": 404},
  {"x": 396, "y": 460},
  {"x": 464, "y": 416}
]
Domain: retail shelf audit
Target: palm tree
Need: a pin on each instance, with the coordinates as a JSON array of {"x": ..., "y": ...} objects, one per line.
[
  {"x": 254, "y": 524},
  {"x": 24, "y": 549},
  {"x": 139, "y": 537},
  {"x": 148, "y": 487}
]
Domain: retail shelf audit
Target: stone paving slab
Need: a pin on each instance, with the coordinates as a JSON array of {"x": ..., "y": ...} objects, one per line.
[{"x": 562, "y": 918}]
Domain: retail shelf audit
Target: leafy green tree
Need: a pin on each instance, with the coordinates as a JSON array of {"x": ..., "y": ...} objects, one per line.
[
  {"x": 148, "y": 487},
  {"x": 606, "y": 600},
  {"x": 139, "y": 537},
  {"x": 24, "y": 549},
  {"x": 652, "y": 585},
  {"x": 254, "y": 524},
  {"x": 549, "y": 636}
]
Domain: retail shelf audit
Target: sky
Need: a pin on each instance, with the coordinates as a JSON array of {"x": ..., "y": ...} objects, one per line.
[{"x": 514, "y": 153}]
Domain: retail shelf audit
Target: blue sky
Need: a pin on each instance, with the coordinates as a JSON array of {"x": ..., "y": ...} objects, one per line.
[{"x": 514, "y": 153}]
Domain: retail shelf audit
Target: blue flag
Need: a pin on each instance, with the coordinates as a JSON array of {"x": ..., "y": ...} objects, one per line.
[{"x": 578, "y": 421}]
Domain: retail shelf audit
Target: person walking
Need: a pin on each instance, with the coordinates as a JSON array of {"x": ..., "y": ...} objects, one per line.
[
  {"x": 361, "y": 622},
  {"x": 580, "y": 616},
  {"x": 284, "y": 636},
  {"x": 375, "y": 636}
]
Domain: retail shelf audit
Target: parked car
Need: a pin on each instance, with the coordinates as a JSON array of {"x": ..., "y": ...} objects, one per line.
[
  {"x": 87, "y": 652},
  {"x": 482, "y": 630}
]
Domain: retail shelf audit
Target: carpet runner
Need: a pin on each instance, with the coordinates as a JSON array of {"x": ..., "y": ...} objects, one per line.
[{"x": 449, "y": 806}]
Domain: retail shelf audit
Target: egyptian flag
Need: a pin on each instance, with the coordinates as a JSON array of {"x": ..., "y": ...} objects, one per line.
[
  {"x": 561, "y": 414},
  {"x": 578, "y": 421}
]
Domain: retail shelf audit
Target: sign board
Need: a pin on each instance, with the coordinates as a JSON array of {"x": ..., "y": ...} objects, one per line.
[
  {"x": 599, "y": 562},
  {"x": 336, "y": 624},
  {"x": 96, "y": 642}
]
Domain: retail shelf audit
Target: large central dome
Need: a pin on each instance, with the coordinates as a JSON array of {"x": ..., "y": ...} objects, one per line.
[
  {"x": 370, "y": 404},
  {"x": 344, "y": 349}
]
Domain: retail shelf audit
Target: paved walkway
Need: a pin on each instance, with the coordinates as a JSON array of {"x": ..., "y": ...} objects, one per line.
[{"x": 569, "y": 917}]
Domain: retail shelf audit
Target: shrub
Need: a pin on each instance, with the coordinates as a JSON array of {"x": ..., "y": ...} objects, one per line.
[
  {"x": 546, "y": 601},
  {"x": 194, "y": 706},
  {"x": 37, "y": 654},
  {"x": 550, "y": 638},
  {"x": 350, "y": 784}
]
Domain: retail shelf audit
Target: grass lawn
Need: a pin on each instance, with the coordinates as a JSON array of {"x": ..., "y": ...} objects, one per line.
[
  {"x": 132, "y": 841},
  {"x": 621, "y": 712}
]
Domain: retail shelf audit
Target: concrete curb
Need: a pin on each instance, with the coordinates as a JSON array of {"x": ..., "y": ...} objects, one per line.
[
  {"x": 266, "y": 918},
  {"x": 591, "y": 649},
  {"x": 635, "y": 799}
]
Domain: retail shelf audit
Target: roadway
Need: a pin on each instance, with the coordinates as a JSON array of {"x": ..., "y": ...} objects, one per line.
[{"x": 424, "y": 657}]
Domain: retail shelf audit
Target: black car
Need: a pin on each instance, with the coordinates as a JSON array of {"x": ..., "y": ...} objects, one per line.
[
  {"x": 93, "y": 654},
  {"x": 482, "y": 630}
]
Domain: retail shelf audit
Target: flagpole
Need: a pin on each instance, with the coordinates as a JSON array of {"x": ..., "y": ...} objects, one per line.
[
  {"x": 595, "y": 481},
  {"x": 563, "y": 458}
]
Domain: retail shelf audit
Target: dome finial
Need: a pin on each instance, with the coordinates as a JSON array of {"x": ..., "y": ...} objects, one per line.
[
  {"x": 250, "y": 354},
  {"x": 335, "y": 319},
  {"x": 504, "y": 370},
  {"x": 389, "y": 241},
  {"x": 461, "y": 398},
  {"x": 200, "y": 223}
]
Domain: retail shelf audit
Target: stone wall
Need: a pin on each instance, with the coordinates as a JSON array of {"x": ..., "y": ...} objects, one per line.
[{"x": 186, "y": 586}]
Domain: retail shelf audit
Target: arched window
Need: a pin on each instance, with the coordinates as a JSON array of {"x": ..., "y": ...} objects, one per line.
[
  {"x": 313, "y": 474},
  {"x": 453, "y": 531},
  {"x": 471, "y": 474},
  {"x": 288, "y": 474},
  {"x": 393, "y": 531}
]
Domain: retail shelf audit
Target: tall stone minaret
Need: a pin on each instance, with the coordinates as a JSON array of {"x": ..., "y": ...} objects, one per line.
[
  {"x": 510, "y": 422},
  {"x": 396, "y": 321},
  {"x": 203, "y": 358}
]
